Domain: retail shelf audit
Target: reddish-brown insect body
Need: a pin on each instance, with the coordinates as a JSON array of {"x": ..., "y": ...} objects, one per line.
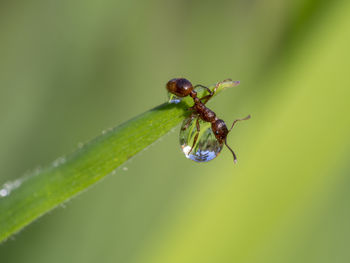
[{"x": 181, "y": 87}]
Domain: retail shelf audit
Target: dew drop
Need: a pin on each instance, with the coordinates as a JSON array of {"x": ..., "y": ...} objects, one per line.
[
  {"x": 173, "y": 98},
  {"x": 207, "y": 146},
  {"x": 4, "y": 192},
  {"x": 58, "y": 161},
  {"x": 8, "y": 187}
]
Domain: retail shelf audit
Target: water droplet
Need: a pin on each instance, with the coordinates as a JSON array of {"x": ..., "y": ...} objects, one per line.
[
  {"x": 125, "y": 168},
  {"x": 4, "y": 192},
  {"x": 10, "y": 186},
  {"x": 58, "y": 161},
  {"x": 173, "y": 98},
  {"x": 207, "y": 146},
  {"x": 80, "y": 145}
]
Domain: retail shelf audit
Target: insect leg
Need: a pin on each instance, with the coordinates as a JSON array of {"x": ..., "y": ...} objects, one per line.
[
  {"x": 196, "y": 136},
  {"x": 204, "y": 87},
  {"x": 233, "y": 153},
  {"x": 189, "y": 120},
  {"x": 207, "y": 98},
  {"x": 235, "y": 121},
  {"x": 219, "y": 83}
]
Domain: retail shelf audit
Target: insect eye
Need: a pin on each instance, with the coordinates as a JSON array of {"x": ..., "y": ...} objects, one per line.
[{"x": 216, "y": 132}]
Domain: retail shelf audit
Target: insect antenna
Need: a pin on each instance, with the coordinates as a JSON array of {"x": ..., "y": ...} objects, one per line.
[{"x": 233, "y": 153}]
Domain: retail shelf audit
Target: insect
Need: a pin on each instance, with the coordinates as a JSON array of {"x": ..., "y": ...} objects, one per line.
[{"x": 214, "y": 131}]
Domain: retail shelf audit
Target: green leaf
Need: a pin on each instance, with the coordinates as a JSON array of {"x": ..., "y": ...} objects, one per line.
[{"x": 33, "y": 195}]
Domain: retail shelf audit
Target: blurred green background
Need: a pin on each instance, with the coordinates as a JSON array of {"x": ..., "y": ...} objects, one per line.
[{"x": 70, "y": 69}]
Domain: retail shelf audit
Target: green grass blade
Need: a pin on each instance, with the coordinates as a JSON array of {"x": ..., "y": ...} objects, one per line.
[{"x": 33, "y": 195}]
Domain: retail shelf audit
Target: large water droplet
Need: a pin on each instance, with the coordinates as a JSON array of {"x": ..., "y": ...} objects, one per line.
[{"x": 207, "y": 146}]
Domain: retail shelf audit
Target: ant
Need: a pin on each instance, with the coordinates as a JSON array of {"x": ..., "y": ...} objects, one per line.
[{"x": 182, "y": 87}]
